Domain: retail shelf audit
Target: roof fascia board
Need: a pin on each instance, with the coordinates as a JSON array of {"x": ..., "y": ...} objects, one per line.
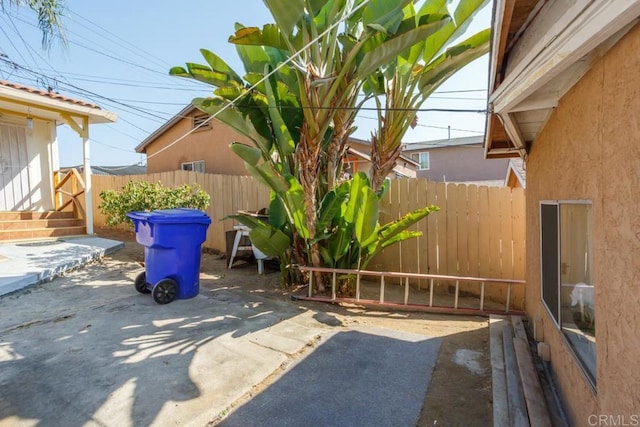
[
  {"x": 488, "y": 134},
  {"x": 580, "y": 32},
  {"x": 503, "y": 11},
  {"x": 140, "y": 148},
  {"x": 33, "y": 100}
]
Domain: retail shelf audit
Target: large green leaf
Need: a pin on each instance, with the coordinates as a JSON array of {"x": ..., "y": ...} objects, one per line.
[
  {"x": 287, "y": 14},
  {"x": 430, "y": 7},
  {"x": 340, "y": 241},
  {"x": 393, "y": 228},
  {"x": 269, "y": 240},
  {"x": 247, "y": 220},
  {"x": 397, "y": 238},
  {"x": 249, "y": 154},
  {"x": 207, "y": 75},
  {"x": 277, "y": 211},
  {"x": 254, "y": 57},
  {"x": 268, "y": 36},
  {"x": 179, "y": 72},
  {"x": 284, "y": 140},
  {"x": 327, "y": 257},
  {"x": 367, "y": 215},
  {"x": 270, "y": 176},
  {"x": 396, "y": 231},
  {"x": 358, "y": 182},
  {"x": 462, "y": 17},
  {"x": 331, "y": 205},
  {"x": 452, "y": 60},
  {"x": 384, "y": 15},
  {"x": 218, "y": 64},
  {"x": 389, "y": 50},
  {"x": 294, "y": 200},
  {"x": 410, "y": 57}
]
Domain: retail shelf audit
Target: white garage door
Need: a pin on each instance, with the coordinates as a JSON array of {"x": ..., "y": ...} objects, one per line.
[{"x": 14, "y": 173}]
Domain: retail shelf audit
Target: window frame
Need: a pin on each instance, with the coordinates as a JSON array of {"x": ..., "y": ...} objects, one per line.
[
  {"x": 418, "y": 154},
  {"x": 590, "y": 377},
  {"x": 193, "y": 166}
]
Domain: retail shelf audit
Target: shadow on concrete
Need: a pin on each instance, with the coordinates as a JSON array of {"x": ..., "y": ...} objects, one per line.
[
  {"x": 356, "y": 378},
  {"x": 111, "y": 356}
]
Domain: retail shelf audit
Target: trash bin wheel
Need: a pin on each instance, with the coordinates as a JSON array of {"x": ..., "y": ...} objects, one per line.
[
  {"x": 165, "y": 291},
  {"x": 141, "y": 283}
]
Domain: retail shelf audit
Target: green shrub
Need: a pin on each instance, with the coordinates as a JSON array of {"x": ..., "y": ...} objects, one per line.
[{"x": 147, "y": 196}]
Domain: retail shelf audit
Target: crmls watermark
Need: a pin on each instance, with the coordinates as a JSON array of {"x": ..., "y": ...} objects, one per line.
[{"x": 603, "y": 420}]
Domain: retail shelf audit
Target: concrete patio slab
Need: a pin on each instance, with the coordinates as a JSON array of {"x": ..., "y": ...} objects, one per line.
[
  {"x": 29, "y": 263},
  {"x": 87, "y": 349},
  {"x": 365, "y": 376}
]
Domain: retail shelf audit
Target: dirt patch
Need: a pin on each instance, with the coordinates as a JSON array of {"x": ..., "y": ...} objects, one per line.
[{"x": 460, "y": 389}]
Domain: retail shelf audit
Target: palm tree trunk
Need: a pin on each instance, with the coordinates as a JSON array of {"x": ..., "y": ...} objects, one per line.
[{"x": 308, "y": 157}]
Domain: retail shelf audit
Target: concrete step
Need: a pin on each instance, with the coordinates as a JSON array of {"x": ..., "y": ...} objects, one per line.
[
  {"x": 26, "y": 215},
  {"x": 39, "y": 223},
  {"x": 41, "y": 233}
]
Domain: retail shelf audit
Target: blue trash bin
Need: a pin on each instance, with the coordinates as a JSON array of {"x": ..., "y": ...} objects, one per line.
[{"x": 172, "y": 240}]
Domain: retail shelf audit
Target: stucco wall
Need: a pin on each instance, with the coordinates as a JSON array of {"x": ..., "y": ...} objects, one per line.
[
  {"x": 211, "y": 145},
  {"x": 460, "y": 164},
  {"x": 590, "y": 149}
]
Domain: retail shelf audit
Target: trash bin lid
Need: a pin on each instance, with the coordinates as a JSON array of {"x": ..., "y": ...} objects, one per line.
[{"x": 175, "y": 216}]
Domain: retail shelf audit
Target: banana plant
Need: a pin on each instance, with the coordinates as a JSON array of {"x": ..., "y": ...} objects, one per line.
[
  {"x": 334, "y": 46},
  {"x": 349, "y": 223},
  {"x": 300, "y": 116},
  {"x": 412, "y": 76}
]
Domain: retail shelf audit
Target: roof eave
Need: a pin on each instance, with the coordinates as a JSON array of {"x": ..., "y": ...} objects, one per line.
[
  {"x": 141, "y": 148},
  {"x": 94, "y": 114}
]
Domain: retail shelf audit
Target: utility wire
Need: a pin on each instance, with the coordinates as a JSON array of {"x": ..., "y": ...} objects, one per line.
[
  {"x": 282, "y": 64},
  {"x": 159, "y": 61},
  {"x": 111, "y": 55},
  {"x": 432, "y": 127}
]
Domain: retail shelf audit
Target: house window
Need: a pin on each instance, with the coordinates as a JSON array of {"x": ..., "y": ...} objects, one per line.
[
  {"x": 567, "y": 279},
  {"x": 422, "y": 159},
  {"x": 201, "y": 122},
  {"x": 193, "y": 166}
]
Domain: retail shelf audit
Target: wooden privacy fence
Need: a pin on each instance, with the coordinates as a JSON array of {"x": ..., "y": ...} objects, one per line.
[
  {"x": 228, "y": 195},
  {"x": 478, "y": 232}
]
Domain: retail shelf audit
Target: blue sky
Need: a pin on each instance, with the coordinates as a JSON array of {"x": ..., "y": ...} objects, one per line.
[{"x": 119, "y": 54}]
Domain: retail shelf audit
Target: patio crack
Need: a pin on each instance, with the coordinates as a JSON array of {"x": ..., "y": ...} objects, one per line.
[{"x": 268, "y": 380}]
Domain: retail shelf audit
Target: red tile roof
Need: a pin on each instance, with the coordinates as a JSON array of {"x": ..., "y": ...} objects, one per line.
[{"x": 52, "y": 95}]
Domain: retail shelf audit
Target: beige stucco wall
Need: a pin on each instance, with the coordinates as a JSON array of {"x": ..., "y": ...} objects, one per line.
[
  {"x": 210, "y": 145},
  {"x": 590, "y": 149}
]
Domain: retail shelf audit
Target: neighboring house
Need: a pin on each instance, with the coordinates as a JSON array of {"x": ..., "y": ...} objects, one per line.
[
  {"x": 174, "y": 146},
  {"x": 111, "y": 170},
  {"x": 565, "y": 96},
  {"x": 359, "y": 160},
  {"x": 29, "y": 145},
  {"x": 456, "y": 160},
  {"x": 516, "y": 174},
  {"x": 189, "y": 141}
]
